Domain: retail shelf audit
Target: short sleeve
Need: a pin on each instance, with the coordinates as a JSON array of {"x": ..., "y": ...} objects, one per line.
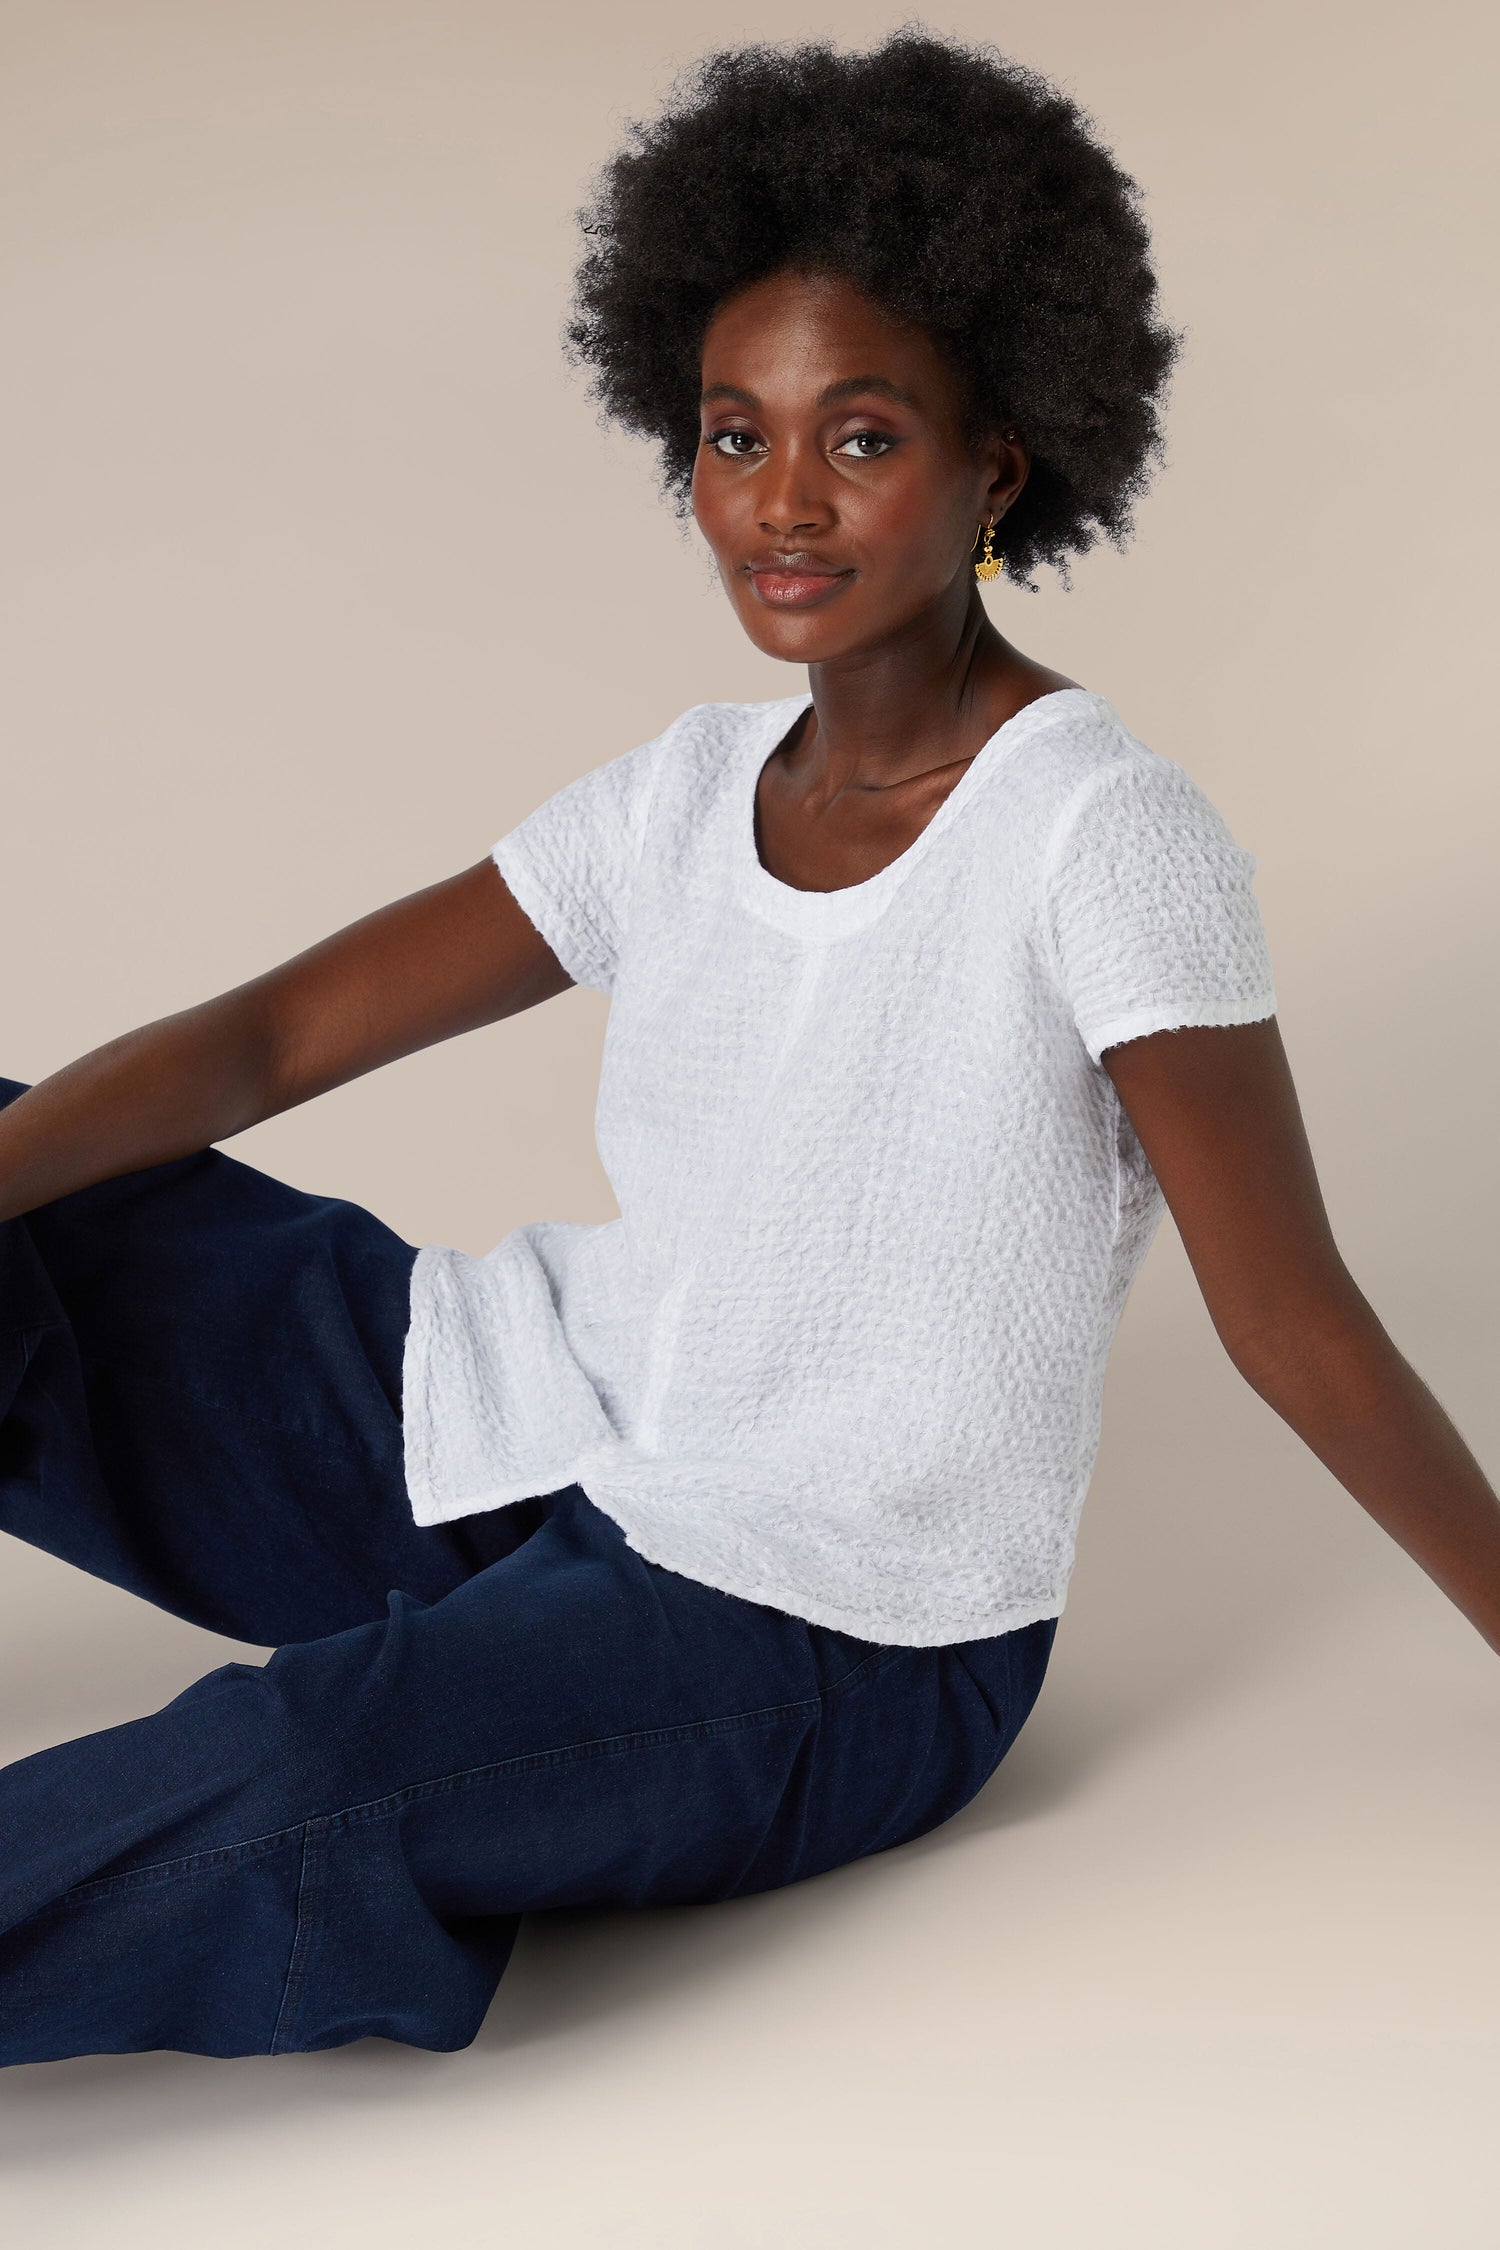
[
  {"x": 1149, "y": 908},
  {"x": 571, "y": 863}
]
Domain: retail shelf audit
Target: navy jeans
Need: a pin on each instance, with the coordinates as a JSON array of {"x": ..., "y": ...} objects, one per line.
[{"x": 200, "y": 1397}]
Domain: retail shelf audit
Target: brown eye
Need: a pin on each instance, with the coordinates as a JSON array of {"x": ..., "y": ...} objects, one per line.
[{"x": 867, "y": 437}]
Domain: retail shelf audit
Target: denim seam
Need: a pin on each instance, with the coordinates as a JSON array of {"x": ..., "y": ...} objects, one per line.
[
  {"x": 529, "y": 1761},
  {"x": 196, "y": 1863},
  {"x": 309, "y": 1881}
]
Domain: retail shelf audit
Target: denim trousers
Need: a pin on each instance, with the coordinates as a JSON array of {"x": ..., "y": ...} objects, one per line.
[{"x": 200, "y": 1401}]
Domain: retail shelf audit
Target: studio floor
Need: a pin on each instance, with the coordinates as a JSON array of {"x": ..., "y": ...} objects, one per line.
[{"x": 1211, "y": 1961}]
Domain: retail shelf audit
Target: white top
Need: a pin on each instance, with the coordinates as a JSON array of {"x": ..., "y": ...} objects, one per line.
[{"x": 843, "y": 1351}]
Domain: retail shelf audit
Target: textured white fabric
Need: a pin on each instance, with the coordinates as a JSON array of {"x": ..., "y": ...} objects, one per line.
[{"x": 844, "y": 1349}]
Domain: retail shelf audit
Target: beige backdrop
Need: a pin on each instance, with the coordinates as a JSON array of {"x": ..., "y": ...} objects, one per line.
[{"x": 317, "y": 575}]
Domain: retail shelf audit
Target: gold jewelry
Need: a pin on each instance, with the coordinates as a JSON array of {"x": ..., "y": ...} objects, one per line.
[{"x": 989, "y": 564}]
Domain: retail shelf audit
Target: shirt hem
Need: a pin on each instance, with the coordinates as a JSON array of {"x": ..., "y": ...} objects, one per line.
[
  {"x": 1178, "y": 1015},
  {"x": 815, "y": 1609},
  {"x": 545, "y": 916},
  {"x": 760, "y": 1587},
  {"x": 427, "y": 1509}
]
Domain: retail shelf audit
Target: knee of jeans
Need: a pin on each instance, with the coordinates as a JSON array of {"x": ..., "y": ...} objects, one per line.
[{"x": 340, "y": 1705}]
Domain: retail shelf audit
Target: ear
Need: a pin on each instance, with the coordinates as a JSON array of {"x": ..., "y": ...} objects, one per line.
[{"x": 1007, "y": 464}]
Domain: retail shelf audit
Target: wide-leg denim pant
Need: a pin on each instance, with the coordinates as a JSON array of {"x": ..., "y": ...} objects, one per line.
[{"x": 200, "y": 1394}]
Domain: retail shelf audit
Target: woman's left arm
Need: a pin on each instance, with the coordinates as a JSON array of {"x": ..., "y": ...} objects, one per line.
[{"x": 1218, "y": 1117}]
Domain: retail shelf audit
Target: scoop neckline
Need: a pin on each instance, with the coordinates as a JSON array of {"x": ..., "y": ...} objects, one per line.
[{"x": 833, "y": 913}]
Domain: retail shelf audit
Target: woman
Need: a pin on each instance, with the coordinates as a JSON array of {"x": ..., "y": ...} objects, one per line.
[{"x": 696, "y": 1553}]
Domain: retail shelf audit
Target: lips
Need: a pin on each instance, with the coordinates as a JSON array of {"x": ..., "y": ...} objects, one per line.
[{"x": 794, "y": 582}]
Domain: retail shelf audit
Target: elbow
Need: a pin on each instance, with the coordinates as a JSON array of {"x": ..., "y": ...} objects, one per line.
[
  {"x": 263, "y": 1066},
  {"x": 1302, "y": 1338}
]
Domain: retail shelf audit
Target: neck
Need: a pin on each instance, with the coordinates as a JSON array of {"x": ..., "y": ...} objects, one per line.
[
  {"x": 929, "y": 696},
  {"x": 932, "y": 694}
]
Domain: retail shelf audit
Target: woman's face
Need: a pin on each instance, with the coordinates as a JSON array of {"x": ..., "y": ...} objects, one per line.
[{"x": 832, "y": 479}]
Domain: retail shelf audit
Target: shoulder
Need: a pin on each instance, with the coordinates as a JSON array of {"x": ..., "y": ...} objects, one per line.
[
  {"x": 1073, "y": 743},
  {"x": 699, "y": 755},
  {"x": 707, "y": 734},
  {"x": 697, "y": 743},
  {"x": 1098, "y": 780},
  {"x": 682, "y": 769}
]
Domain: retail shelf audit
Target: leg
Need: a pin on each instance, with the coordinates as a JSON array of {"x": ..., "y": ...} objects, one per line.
[
  {"x": 200, "y": 1397},
  {"x": 340, "y": 1842}
]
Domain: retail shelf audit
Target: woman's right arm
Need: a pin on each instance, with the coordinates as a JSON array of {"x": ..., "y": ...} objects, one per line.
[{"x": 442, "y": 961}]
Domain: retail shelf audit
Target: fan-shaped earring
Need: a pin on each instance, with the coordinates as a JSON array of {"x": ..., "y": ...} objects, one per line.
[{"x": 989, "y": 564}]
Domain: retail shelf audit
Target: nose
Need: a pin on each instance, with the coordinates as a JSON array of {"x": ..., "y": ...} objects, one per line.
[{"x": 791, "y": 499}]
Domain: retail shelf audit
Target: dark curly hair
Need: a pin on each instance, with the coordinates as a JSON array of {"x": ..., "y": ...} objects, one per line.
[{"x": 956, "y": 189}]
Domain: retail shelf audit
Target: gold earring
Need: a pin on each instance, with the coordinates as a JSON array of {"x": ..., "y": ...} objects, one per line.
[{"x": 989, "y": 564}]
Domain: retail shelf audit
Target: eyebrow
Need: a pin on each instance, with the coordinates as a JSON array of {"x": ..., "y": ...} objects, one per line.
[
  {"x": 853, "y": 384},
  {"x": 850, "y": 387}
]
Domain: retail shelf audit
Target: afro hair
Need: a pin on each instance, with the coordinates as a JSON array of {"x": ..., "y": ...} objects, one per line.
[{"x": 958, "y": 190}]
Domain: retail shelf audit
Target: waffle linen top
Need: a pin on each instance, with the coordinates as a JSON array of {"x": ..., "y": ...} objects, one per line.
[{"x": 843, "y": 1350}]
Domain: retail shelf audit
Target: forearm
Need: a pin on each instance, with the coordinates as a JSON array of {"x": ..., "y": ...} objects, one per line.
[
  {"x": 1368, "y": 1416},
  {"x": 163, "y": 1091},
  {"x": 445, "y": 960}
]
